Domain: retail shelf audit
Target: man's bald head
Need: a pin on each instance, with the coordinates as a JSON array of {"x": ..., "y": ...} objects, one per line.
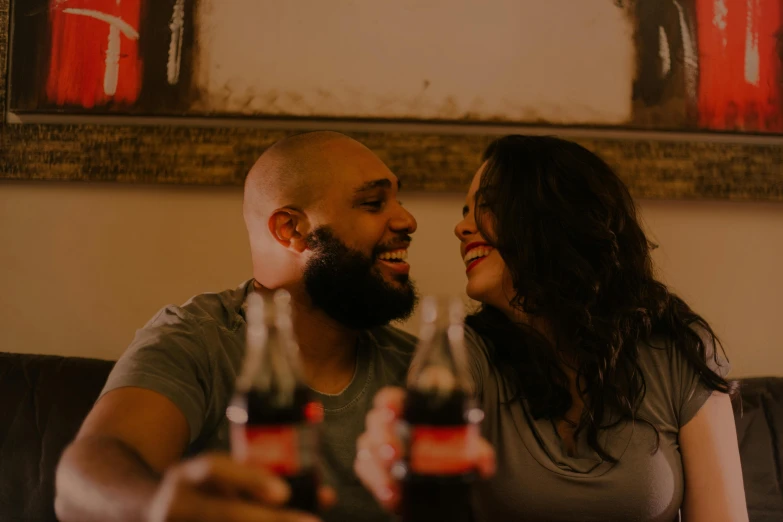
[
  {"x": 295, "y": 171},
  {"x": 320, "y": 208},
  {"x": 287, "y": 186}
]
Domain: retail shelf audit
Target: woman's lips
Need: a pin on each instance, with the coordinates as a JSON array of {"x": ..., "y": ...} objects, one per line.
[{"x": 473, "y": 263}]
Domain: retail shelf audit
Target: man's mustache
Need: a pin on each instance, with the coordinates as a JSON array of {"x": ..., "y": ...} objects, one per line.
[{"x": 400, "y": 242}]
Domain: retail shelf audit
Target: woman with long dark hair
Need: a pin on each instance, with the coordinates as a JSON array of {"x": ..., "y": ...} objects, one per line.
[{"x": 605, "y": 394}]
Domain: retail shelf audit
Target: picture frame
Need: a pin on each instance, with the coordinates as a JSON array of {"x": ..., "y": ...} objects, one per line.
[{"x": 427, "y": 156}]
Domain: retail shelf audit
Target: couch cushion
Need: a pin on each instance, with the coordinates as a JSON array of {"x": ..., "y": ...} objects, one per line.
[
  {"x": 759, "y": 431},
  {"x": 43, "y": 400}
]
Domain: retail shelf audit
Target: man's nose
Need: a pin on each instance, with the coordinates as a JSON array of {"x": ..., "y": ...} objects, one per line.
[{"x": 404, "y": 222}]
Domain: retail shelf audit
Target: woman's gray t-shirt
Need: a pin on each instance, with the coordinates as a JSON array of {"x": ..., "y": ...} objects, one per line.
[{"x": 537, "y": 480}]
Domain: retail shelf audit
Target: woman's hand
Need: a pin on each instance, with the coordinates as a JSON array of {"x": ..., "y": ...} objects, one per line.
[{"x": 379, "y": 447}]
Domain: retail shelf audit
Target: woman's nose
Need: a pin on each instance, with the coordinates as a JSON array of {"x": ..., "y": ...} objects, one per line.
[{"x": 463, "y": 228}]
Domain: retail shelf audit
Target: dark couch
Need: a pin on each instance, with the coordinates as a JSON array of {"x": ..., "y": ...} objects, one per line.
[{"x": 43, "y": 400}]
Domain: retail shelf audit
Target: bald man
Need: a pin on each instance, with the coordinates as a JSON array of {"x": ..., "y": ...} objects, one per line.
[{"x": 324, "y": 223}]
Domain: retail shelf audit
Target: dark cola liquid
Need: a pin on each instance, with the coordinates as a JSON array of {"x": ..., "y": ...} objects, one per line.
[
  {"x": 435, "y": 496},
  {"x": 263, "y": 411}
]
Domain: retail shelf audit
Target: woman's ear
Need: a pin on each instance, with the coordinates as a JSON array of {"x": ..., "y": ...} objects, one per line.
[{"x": 290, "y": 227}]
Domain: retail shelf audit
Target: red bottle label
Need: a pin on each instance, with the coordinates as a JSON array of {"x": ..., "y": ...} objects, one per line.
[
  {"x": 314, "y": 412},
  {"x": 443, "y": 450},
  {"x": 274, "y": 448}
]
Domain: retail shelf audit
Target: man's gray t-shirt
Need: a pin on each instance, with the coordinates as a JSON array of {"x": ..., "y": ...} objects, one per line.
[
  {"x": 192, "y": 354},
  {"x": 537, "y": 480}
]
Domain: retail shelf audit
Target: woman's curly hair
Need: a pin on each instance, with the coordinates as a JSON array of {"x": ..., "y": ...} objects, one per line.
[{"x": 567, "y": 229}]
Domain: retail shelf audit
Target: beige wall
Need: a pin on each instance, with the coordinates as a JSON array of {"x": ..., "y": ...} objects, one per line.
[{"x": 83, "y": 265}]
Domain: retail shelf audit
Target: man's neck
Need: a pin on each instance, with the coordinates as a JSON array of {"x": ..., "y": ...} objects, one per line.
[{"x": 327, "y": 348}]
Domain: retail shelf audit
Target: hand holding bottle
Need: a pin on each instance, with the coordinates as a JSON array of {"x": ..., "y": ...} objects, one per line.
[
  {"x": 275, "y": 422},
  {"x": 422, "y": 452},
  {"x": 215, "y": 487},
  {"x": 380, "y": 446}
]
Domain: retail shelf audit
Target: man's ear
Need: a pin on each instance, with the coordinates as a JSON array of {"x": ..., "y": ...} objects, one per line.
[{"x": 290, "y": 228}]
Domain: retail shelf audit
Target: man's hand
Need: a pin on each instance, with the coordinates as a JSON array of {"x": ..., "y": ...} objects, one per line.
[
  {"x": 214, "y": 487},
  {"x": 379, "y": 447},
  {"x": 120, "y": 468}
]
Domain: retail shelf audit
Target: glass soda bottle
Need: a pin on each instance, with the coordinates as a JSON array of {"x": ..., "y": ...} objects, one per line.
[
  {"x": 438, "y": 422},
  {"x": 274, "y": 419}
]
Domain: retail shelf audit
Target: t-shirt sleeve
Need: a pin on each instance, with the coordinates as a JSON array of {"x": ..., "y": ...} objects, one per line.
[
  {"x": 167, "y": 356},
  {"x": 693, "y": 392}
]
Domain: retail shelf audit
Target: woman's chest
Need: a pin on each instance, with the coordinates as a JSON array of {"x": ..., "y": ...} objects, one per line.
[{"x": 539, "y": 477}]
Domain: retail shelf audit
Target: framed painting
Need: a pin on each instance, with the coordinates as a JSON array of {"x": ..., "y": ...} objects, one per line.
[{"x": 683, "y": 97}]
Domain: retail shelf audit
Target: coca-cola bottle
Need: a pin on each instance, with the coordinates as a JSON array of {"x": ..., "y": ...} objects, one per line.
[
  {"x": 274, "y": 420},
  {"x": 439, "y": 421}
]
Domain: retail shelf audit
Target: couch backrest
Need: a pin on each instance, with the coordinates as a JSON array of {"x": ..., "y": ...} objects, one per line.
[
  {"x": 43, "y": 401},
  {"x": 760, "y": 433}
]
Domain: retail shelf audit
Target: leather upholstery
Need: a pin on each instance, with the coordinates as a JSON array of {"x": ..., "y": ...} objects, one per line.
[
  {"x": 759, "y": 432},
  {"x": 43, "y": 400}
]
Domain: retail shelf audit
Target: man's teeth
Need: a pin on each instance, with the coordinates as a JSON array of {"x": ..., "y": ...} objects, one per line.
[
  {"x": 399, "y": 255},
  {"x": 476, "y": 253}
]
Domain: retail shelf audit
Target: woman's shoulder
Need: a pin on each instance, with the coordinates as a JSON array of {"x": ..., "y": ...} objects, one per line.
[
  {"x": 475, "y": 341},
  {"x": 478, "y": 351},
  {"x": 675, "y": 388},
  {"x": 479, "y": 348},
  {"x": 664, "y": 355}
]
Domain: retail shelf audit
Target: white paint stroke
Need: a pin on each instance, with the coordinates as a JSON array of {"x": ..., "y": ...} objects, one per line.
[
  {"x": 126, "y": 28},
  {"x": 112, "y": 74},
  {"x": 664, "y": 52},
  {"x": 116, "y": 25},
  {"x": 720, "y": 20},
  {"x": 752, "y": 57},
  {"x": 690, "y": 57},
  {"x": 177, "y": 27}
]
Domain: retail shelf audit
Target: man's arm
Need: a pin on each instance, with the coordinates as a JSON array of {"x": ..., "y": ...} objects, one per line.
[
  {"x": 112, "y": 470},
  {"x": 123, "y": 465}
]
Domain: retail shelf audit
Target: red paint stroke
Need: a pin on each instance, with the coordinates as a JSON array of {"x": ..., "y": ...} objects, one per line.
[
  {"x": 728, "y": 99},
  {"x": 78, "y": 54}
]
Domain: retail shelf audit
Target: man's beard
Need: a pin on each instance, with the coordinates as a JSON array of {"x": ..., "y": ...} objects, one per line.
[{"x": 346, "y": 284}]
